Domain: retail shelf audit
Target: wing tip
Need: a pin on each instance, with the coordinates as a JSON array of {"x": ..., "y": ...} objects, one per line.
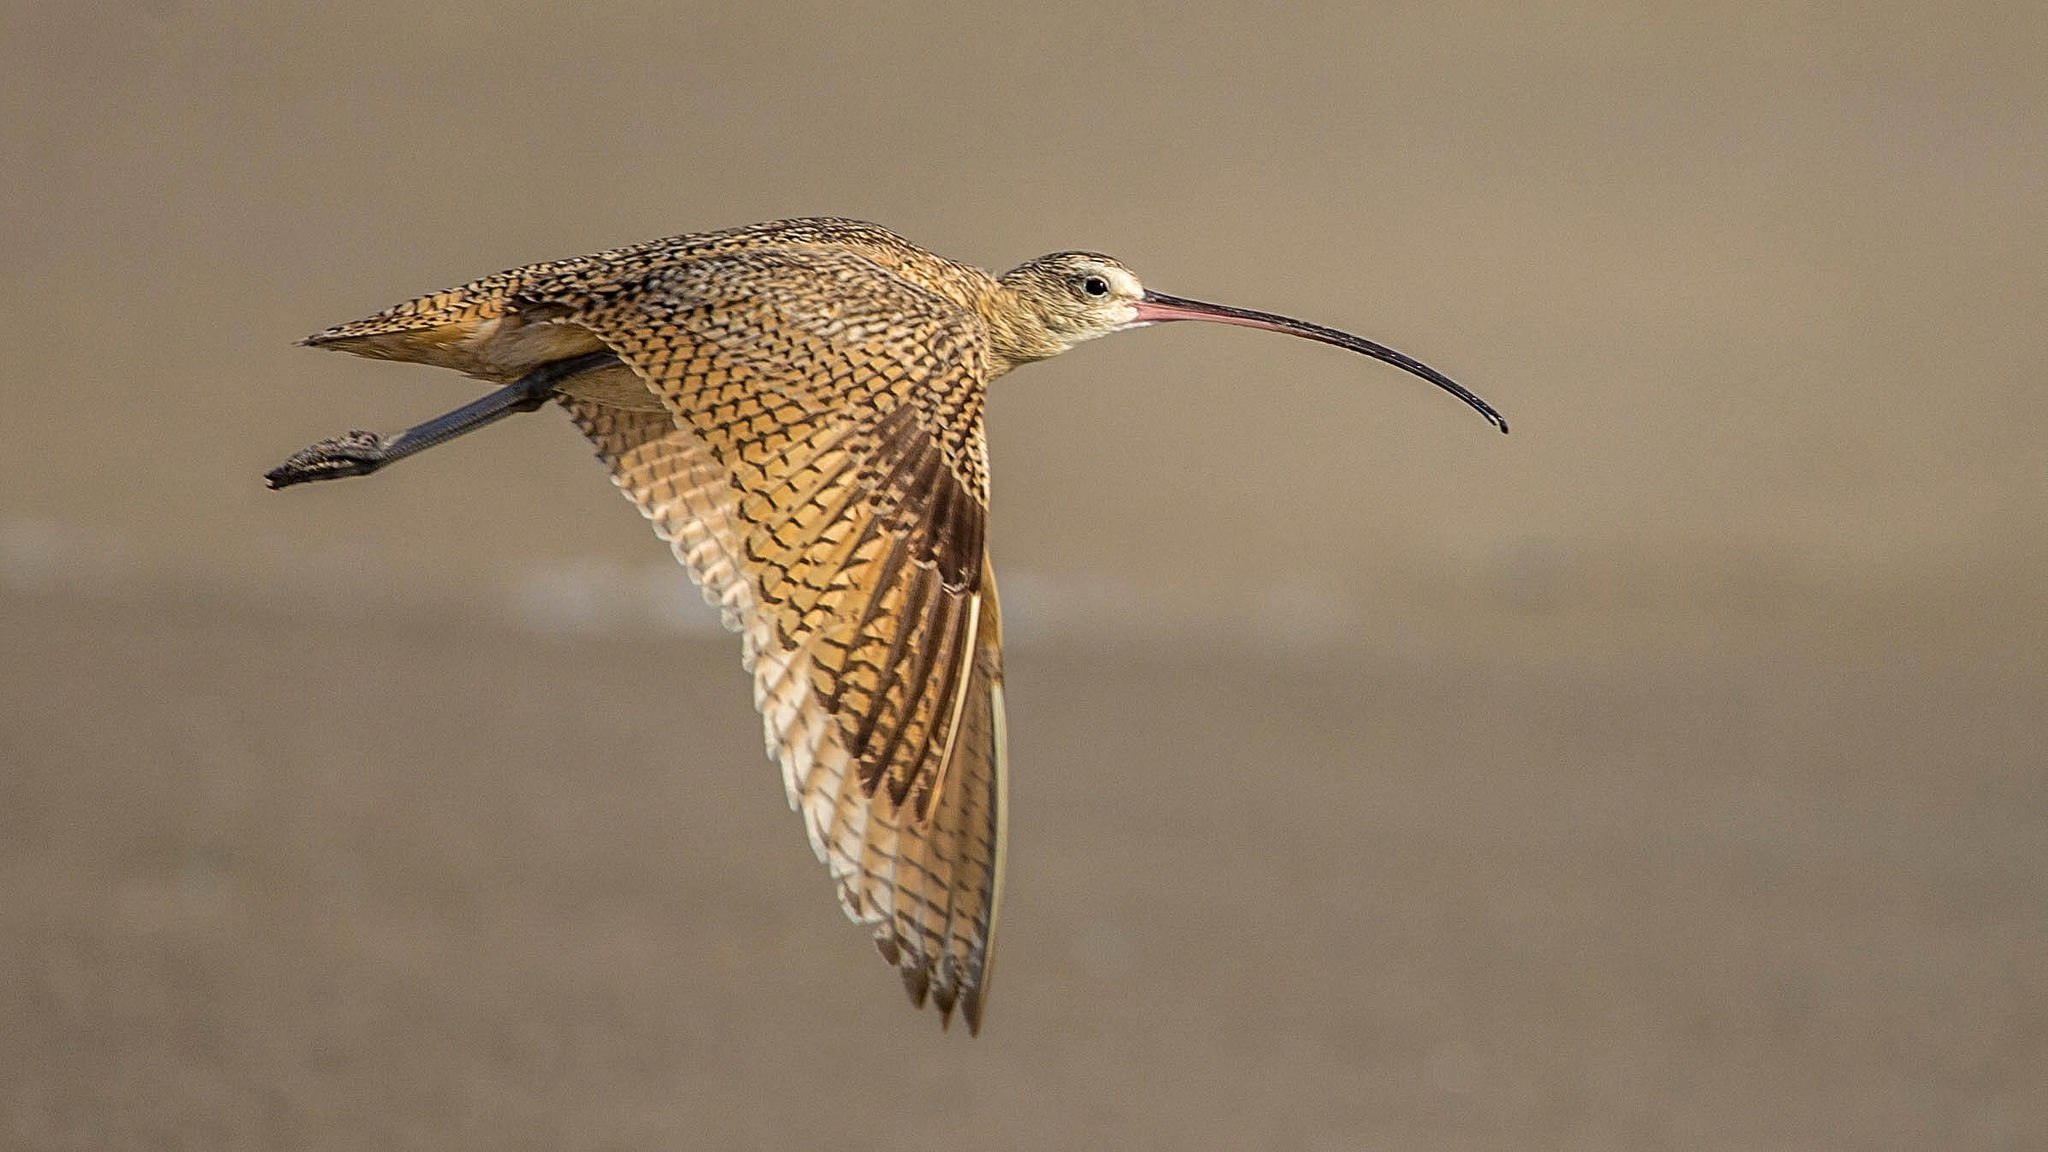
[
  {"x": 917, "y": 981},
  {"x": 970, "y": 1010},
  {"x": 945, "y": 996}
]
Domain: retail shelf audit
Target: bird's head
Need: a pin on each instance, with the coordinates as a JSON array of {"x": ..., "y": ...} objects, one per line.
[
  {"x": 1069, "y": 297},
  {"x": 1066, "y": 298}
]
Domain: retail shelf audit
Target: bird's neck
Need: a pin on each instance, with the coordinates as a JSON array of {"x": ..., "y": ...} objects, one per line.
[{"x": 1017, "y": 333}]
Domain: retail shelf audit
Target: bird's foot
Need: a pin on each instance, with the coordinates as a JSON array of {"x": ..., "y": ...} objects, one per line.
[{"x": 355, "y": 453}]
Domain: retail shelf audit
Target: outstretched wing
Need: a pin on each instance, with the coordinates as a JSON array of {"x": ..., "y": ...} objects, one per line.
[{"x": 819, "y": 470}]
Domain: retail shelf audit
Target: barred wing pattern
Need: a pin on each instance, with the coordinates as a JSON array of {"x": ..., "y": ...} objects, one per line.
[{"x": 820, "y": 472}]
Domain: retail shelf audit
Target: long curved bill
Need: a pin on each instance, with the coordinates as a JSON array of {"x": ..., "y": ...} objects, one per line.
[{"x": 1159, "y": 308}]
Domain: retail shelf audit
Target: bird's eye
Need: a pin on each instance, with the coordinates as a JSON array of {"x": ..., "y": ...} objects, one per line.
[{"x": 1095, "y": 286}]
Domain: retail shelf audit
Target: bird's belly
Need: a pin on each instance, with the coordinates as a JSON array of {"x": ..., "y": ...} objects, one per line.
[{"x": 508, "y": 347}]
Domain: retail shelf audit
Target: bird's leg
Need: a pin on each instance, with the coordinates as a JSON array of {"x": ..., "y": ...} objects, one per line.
[{"x": 360, "y": 453}]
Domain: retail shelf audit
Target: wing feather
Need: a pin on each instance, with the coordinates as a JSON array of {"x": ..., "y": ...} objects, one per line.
[{"x": 811, "y": 473}]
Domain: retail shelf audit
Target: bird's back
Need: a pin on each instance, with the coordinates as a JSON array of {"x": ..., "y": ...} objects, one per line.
[{"x": 484, "y": 329}]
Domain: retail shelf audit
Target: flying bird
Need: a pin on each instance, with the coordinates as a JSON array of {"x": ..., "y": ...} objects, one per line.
[{"x": 796, "y": 407}]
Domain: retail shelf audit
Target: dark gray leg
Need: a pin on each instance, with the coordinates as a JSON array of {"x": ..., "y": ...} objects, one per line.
[{"x": 361, "y": 453}]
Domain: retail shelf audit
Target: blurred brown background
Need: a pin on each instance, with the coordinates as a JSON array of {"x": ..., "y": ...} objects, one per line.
[{"x": 1666, "y": 774}]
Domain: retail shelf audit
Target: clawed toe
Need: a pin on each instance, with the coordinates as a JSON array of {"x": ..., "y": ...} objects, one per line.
[{"x": 355, "y": 453}]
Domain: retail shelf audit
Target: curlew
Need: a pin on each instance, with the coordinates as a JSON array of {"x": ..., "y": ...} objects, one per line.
[{"x": 796, "y": 407}]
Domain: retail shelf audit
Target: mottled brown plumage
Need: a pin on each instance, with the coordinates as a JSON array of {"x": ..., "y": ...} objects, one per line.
[{"x": 796, "y": 408}]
